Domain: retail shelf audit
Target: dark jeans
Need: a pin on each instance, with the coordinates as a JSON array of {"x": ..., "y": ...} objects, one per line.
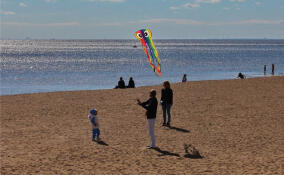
[
  {"x": 96, "y": 132},
  {"x": 167, "y": 109}
]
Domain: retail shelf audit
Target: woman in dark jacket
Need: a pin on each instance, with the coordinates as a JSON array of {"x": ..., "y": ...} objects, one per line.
[
  {"x": 167, "y": 102},
  {"x": 151, "y": 106}
]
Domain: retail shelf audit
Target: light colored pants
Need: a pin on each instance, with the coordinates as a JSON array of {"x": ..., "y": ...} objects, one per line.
[{"x": 151, "y": 126}]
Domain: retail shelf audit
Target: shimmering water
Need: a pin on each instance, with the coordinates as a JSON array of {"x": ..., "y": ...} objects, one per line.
[{"x": 29, "y": 66}]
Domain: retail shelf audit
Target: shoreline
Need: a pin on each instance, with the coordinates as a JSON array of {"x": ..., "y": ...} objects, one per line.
[
  {"x": 236, "y": 125},
  {"x": 265, "y": 76}
]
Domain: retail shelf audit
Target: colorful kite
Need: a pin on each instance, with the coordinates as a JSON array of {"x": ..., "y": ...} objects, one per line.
[{"x": 145, "y": 37}]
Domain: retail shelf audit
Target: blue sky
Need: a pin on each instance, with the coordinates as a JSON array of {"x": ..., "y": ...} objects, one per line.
[{"x": 120, "y": 19}]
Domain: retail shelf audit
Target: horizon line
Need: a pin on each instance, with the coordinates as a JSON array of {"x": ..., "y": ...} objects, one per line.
[{"x": 28, "y": 38}]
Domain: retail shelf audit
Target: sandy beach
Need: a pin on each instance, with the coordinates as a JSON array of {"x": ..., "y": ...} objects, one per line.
[{"x": 236, "y": 125}]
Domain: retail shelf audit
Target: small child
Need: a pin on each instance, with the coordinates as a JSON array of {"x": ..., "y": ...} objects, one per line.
[{"x": 95, "y": 124}]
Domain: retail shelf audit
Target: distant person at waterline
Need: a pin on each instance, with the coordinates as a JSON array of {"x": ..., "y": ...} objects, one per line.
[
  {"x": 120, "y": 84},
  {"x": 241, "y": 76},
  {"x": 184, "y": 79},
  {"x": 131, "y": 83}
]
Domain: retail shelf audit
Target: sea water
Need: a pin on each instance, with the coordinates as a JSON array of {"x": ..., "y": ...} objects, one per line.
[{"x": 31, "y": 66}]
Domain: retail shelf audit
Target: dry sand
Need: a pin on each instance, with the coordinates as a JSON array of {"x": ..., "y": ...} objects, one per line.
[{"x": 236, "y": 125}]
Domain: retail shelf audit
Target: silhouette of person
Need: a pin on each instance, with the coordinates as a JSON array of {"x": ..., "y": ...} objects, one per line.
[
  {"x": 241, "y": 76},
  {"x": 184, "y": 79},
  {"x": 120, "y": 84},
  {"x": 131, "y": 83},
  {"x": 167, "y": 102}
]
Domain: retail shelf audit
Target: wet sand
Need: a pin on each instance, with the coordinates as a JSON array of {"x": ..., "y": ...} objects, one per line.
[{"x": 237, "y": 126}]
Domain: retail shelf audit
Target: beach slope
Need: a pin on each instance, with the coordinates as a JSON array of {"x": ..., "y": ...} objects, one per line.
[{"x": 237, "y": 126}]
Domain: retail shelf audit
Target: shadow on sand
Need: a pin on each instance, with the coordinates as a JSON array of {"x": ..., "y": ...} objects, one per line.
[
  {"x": 165, "y": 153},
  {"x": 193, "y": 156},
  {"x": 178, "y": 129},
  {"x": 102, "y": 143}
]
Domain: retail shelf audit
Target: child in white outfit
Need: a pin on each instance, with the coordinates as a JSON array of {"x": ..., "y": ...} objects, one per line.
[{"x": 95, "y": 124}]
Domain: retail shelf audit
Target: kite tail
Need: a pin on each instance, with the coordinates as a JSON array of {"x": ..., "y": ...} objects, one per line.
[
  {"x": 156, "y": 69},
  {"x": 154, "y": 49},
  {"x": 147, "y": 53},
  {"x": 154, "y": 54}
]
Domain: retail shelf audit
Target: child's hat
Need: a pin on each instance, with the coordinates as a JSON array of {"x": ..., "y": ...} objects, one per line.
[{"x": 93, "y": 111}]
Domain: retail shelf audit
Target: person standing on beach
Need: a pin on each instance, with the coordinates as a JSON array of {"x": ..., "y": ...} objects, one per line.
[
  {"x": 95, "y": 124},
  {"x": 167, "y": 102},
  {"x": 151, "y": 106},
  {"x": 184, "y": 79}
]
